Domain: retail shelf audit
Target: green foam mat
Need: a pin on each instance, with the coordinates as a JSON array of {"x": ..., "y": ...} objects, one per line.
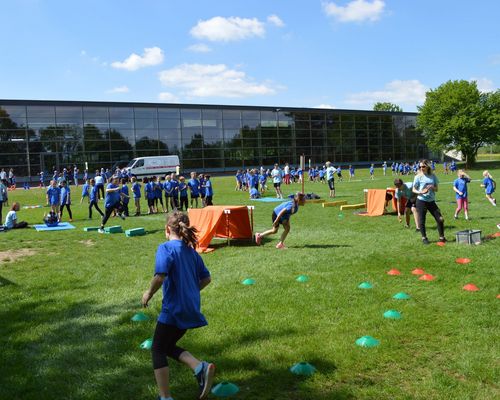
[
  {"x": 135, "y": 232},
  {"x": 91, "y": 228},
  {"x": 113, "y": 229}
]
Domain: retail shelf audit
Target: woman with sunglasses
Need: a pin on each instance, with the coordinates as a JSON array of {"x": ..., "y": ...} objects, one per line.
[{"x": 425, "y": 186}]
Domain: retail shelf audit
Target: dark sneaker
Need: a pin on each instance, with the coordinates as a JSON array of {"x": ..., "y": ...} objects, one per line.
[
  {"x": 205, "y": 379},
  {"x": 425, "y": 241}
]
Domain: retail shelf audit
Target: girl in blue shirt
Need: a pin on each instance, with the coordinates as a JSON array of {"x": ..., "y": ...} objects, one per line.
[
  {"x": 85, "y": 191},
  {"x": 194, "y": 189},
  {"x": 351, "y": 172},
  {"x": 112, "y": 202},
  {"x": 159, "y": 194},
  {"x": 136, "y": 190},
  {"x": 167, "y": 187},
  {"x": 209, "y": 193},
  {"x": 149, "y": 195},
  {"x": 460, "y": 189},
  {"x": 94, "y": 198},
  {"x": 281, "y": 215},
  {"x": 183, "y": 193},
  {"x": 372, "y": 172},
  {"x": 65, "y": 200},
  {"x": 489, "y": 187},
  {"x": 180, "y": 270},
  {"x": 425, "y": 185},
  {"x": 54, "y": 196}
]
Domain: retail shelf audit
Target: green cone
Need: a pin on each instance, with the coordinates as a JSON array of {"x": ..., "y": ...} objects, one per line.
[
  {"x": 302, "y": 278},
  {"x": 225, "y": 389},
  {"x": 401, "y": 296},
  {"x": 146, "y": 345},
  {"x": 248, "y": 281},
  {"x": 392, "y": 314},
  {"x": 367, "y": 341},
  {"x": 303, "y": 368},
  {"x": 139, "y": 317},
  {"x": 365, "y": 285},
  {"x": 341, "y": 215}
]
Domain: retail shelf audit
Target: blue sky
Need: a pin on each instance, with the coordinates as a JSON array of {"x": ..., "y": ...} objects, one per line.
[{"x": 298, "y": 53}]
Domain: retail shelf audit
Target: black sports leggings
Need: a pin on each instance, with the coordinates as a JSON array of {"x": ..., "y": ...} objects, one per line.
[
  {"x": 68, "y": 207},
  {"x": 165, "y": 344},
  {"x": 109, "y": 211},
  {"x": 431, "y": 206},
  {"x": 93, "y": 203}
]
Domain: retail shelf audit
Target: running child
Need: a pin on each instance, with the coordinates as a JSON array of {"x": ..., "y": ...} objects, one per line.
[
  {"x": 65, "y": 200},
  {"x": 281, "y": 215},
  {"x": 489, "y": 187},
  {"x": 194, "y": 189},
  {"x": 372, "y": 172},
  {"x": 460, "y": 189},
  {"x": 94, "y": 198},
  {"x": 405, "y": 191},
  {"x": 54, "y": 196},
  {"x": 85, "y": 192},
  {"x": 136, "y": 190},
  {"x": 112, "y": 202},
  {"x": 180, "y": 271},
  {"x": 351, "y": 172}
]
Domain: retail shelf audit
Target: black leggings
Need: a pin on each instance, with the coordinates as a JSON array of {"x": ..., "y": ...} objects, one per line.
[
  {"x": 93, "y": 203},
  {"x": 109, "y": 211},
  {"x": 184, "y": 202},
  {"x": 68, "y": 207},
  {"x": 165, "y": 344},
  {"x": 431, "y": 206}
]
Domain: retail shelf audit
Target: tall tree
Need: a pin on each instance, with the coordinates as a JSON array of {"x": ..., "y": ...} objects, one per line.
[
  {"x": 386, "y": 106},
  {"x": 458, "y": 116}
]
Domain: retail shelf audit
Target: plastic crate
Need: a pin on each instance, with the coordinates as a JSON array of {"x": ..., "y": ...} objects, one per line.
[{"x": 468, "y": 236}]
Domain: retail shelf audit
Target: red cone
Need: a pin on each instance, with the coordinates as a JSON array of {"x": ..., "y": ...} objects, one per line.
[
  {"x": 463, "y": 260},
  {"x": 418, "y": 271},
  {"x": 427, "y": 277},
  {"x": 440, "y": 244},
  {"x": 470, "y": 287},
  {"x": 394, "y": 271}
]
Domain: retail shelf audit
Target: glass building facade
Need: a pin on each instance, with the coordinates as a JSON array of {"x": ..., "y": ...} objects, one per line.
[{"x": 42, "y": 135}]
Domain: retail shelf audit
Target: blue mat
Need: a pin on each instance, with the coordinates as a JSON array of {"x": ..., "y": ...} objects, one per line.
[
  {"x": 61, "y": 227},
  {"x": 271, "y": 199}
]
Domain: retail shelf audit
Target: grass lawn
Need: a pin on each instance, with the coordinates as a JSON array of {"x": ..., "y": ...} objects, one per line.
[{"x": 66, "y": 299}]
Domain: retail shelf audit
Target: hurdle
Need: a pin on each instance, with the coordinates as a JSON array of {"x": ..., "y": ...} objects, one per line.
[
  {"x": 352, "y": 206},
  {"x": 334, "y": 203},
  {"x": 315, "y": 201}
]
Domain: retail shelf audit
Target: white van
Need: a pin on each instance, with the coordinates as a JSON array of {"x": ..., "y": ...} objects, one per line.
[{"x": 146, "y": 167}]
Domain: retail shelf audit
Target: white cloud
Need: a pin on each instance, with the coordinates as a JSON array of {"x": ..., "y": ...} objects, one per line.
[
  {"x": 276, "y": 21},
  {"x": 167, "y": 97},
  {"x": 200, "y": 48},
  {"x": 213, "y": 80},
  {"x": 151, "y": 56},
  {"x": 484, "y": 84},
  {"x": 411, "y": 92},
  {"x": 119, "y": 89},
  {"x": 228, "y": 29},
  {"x": 355, "y": 11},
  {"x": 324, "y": 106},
  {"x": 83, "y": 53}
]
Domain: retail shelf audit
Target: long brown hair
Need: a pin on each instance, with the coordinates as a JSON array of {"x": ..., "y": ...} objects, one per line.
[{"x": 178, "y": 222}]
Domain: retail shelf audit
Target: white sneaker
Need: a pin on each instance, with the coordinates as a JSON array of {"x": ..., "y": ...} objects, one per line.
[{"x": 100, "y": 230}]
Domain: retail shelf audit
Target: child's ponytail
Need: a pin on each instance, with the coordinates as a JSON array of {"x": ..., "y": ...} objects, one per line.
[{"x": 178, "y": 222}]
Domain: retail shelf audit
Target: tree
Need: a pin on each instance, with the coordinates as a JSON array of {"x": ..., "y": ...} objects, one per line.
[
  {"x": 458, "y": 116},
  {"x": 387, "y": 107}
]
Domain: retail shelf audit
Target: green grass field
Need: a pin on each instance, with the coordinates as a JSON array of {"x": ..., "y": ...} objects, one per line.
[{"x": 66, "y": 299}]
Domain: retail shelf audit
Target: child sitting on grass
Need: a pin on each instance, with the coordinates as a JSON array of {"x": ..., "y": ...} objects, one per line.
[{"x": 11, "y": 218}]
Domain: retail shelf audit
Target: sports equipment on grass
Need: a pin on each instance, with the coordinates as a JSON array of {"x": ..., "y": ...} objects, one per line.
[
  {"x": 365, "y": 285},
  {"x": 463, "y": 260},
  {"x": 135, "y": 232},
  {"x": 225, "y": 389},
  {"x": 302, "y": 278},
  {"x": 91, "y": 228},
  {"x": 316, "y": 201},
  {"x": 269, "y": 199},
  {"x": 334, "y": 203},
  {"x": 440, "y": 244},
  {"x": 392, "y": 314},
  {"x": 401, "y": 296},
  {"x": 302, "y": 368},
  {"x": 146, "y": 345},
  {"x": 394, "y": 271},
  {"x": 418, "y": 271},
  {"x": 113, "y": 229},
  {"x": 30, "y": 207},
  {"x": 470, "y": 287},
  {"x": 61, "y": 227},
  {"x": 140, "y": 317},
  {"x": 367, "y": 341},
  {"x": 352, "y": 206},
  {"x": 248, "y": 281},
  {"x": 427, "y": 277}
]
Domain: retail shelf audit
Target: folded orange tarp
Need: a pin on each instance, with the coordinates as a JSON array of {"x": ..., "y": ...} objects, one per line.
[
  {"x": 211, "y": 221},
  {"x": 375, "y": 202}
]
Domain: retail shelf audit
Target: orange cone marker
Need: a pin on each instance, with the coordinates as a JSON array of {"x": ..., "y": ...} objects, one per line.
[
  {"x": 394, "y": 271},
  {"x": 427, "y": 277},
  {"x": 418, "y": 271},
  {"x": 470, "y": 287}
]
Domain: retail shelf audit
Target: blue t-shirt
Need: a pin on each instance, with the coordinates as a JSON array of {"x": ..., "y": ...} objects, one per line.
[
  {"x": 65, "y": 195},
  {"x": 85, "y": 190},
  {"x": 489, "y": 187},
  {"x": 136, "y": 189},
  {"x": 263, "y": 178},
  {"x": 255, "y": 180},
  {"x": 371, "y": 170},
  {"x": 167, "y": 186},
  {"x": 148, "y": 190},
  {"x": 183, "y": 189},
  {"x": 175, "y": 188},
  {"x": 461, "y": 185},
  {"x": 112, "y": 198},
  {"x": 194, "y": 186},
  {"x": 208, "y": 188},
  {"x": 93, "y": 193},
  {"x": 183, "y": 269},
  {"x": 54, "y": 194},
  {"x": 422, "y": 181},
  {"x": 405, "y": 191},
  {"x": 126, "y": 192},
  {"x": 290, "y": 208}
]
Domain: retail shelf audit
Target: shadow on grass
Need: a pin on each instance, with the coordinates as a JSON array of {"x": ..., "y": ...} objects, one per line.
[
  {"x": 320, "y": 246},
  {"x": 6, "y": 282}
]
